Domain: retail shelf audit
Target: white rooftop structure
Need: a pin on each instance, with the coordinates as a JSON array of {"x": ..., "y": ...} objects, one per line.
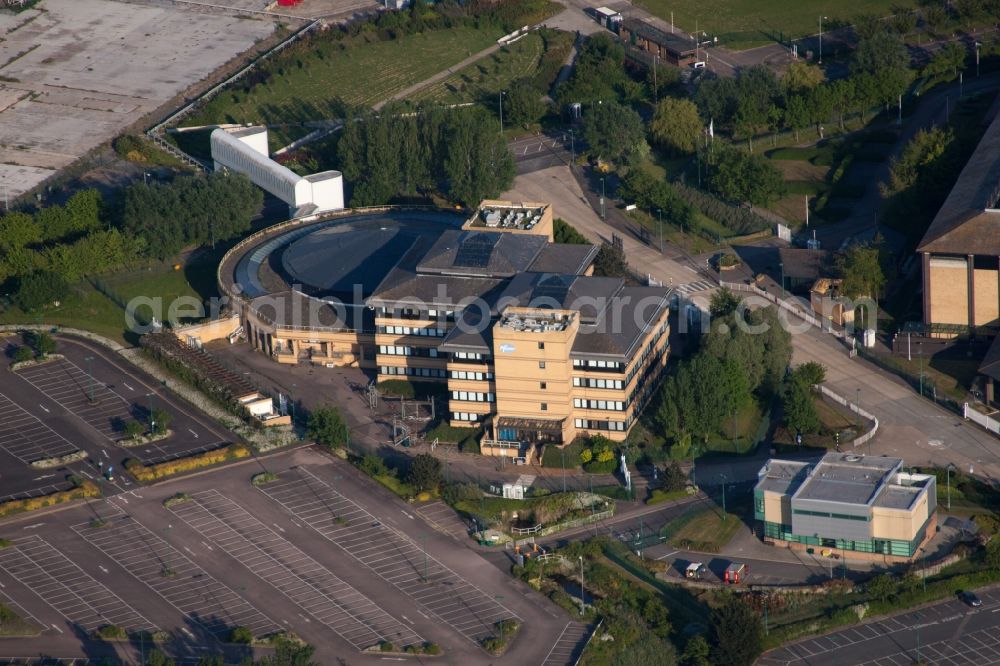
[{"x": 245, "y": 150}]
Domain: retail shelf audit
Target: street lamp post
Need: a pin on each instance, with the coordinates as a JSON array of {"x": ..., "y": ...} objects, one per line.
[
  {"x": 563, "y": 452},
  {"x": 948, "y": 475},
  {"x": 582, "y": 595},
  {"x": 821, "y": 39},
  {"x": 781, "y": 265},
  {"x": 424, "y": 540},
  {"x": 659, "y": 217},
  {"x": 500, "y": 95},
  {"x": 90, "y": 376},
  {"x": 724, "y": 479},
  {"x": 857, "y": 408},
  {"x": 152, "y": 423},
  {"x": 603, "y": 216}
]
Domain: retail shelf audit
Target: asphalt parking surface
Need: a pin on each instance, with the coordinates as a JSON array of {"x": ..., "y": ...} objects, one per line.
[
  {"x": 80, "y": 403},
  {"x": 946, "y": 633},
  {"x": 344, "y": 570}
]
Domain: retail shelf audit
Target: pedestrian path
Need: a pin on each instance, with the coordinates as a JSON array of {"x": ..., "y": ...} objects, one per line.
[{"x": 695, "y": 287}]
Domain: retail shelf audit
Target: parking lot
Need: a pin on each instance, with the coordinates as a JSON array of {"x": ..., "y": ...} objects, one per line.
[
  {"x": 232, "y": 556},
  {"x": 321, "y": 594},
  {"x": 390, "y": 554},
  {"x": 949, "y": 632},
  {"x": 81, "y": 402}
]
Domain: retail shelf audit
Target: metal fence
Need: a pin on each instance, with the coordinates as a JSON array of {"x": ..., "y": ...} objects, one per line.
[
  {"x": 990, "y": 424},
  {"x": 854, "y": 407}
]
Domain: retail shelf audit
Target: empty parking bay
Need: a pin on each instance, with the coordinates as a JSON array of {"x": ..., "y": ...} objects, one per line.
[
  {"x": 65, "y": 383},
  {"x": 175, "y": 577},
  {"x": 60, "y": 583},
  {"x": 302, "y": 579},
  {"x": 26, "y": 438},
  {"x": 569, "y": 645},
  {"x": 390, "y": 554}
]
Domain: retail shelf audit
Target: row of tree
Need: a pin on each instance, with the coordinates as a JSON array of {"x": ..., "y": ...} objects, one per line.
[{"x": 457, "y": 152}]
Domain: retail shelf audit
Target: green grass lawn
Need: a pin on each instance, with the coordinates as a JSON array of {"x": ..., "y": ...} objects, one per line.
[
  {"x": 483, "y": 79},
  {"x": 749, "y": 23},
  {"x": 352, "y": 71},
  {"x": 704, "y": 528},
  {"x": 85, "y": 308},
  {"x": 740, "y": 430}
]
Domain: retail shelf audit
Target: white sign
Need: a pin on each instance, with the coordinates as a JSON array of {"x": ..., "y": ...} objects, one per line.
[{"x": 507, "y": 349}]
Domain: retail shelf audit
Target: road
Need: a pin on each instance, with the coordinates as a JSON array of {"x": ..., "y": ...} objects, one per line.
[
  {"x": 948, "y": 632},
  {"x": 912, "y": 427}
]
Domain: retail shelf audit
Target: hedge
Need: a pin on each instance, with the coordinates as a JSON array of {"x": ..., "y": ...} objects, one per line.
[
  {"x": 146, "y": 473},
  {"x": 84, "y": 490}
]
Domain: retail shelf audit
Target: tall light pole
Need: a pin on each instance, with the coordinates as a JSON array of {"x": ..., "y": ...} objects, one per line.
[
  {"x": 501, "y": 112},
  {"x": 603, "y": 216},
  {"x": 920, "y": 353},
  {"x": 781, "y": 265},
  {"x": 152, "y": 423},
  {"x": 90, "y": 375},
  {"x": 659, "y": 217},
  {"x": 978, "y": 46},
  {"x": 821, "y": 39},
  {"x": 857, "y": 407},
  {"x": 582, "y": 596},
  {"x": 423, "y": 540},
  {"x": 948, "y": 475},
  {"x": 724, "y": 479}
]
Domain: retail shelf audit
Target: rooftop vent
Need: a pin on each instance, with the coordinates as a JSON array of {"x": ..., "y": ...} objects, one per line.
[{"x": 851, "y": 457}]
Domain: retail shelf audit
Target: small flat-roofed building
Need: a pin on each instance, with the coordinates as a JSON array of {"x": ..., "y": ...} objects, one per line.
[
  {"x": 825, "y": 299},
  {"x": 674, "y": 48},
  {"x": 860, "y": 506},
  {"x": 522, "y": 217}
]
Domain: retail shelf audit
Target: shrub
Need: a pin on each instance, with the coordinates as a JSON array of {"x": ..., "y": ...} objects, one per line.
[
  {"x": 147, "y": 473},
  {"x": 386, "y": 646},
  {"x": 23, "y": 353},
  {"x": 110, "y": 632},
  {"x": 399, "y": 387},
  {"x": 83, "y": 491},
  {"x": 586, "y": 456},
  {"x": 38, "y": 289},
  {"x": 133, "y": 429},
  {"x": 4, "y": 543},
  {"x": 175, "y": 499},
  {"x": 432, "y": 648},
  {"x": 241, "y": 635},
  {"x": 373, "y": 466},
  {"x": 263, "y": 478}
]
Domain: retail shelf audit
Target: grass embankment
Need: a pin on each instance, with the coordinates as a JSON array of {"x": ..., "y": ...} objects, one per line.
[
  {"x": 547, "y": 510},
  {"x": 150, "y": 473},
  {"x": 705, "y": 527},
  {"x": 743, "y": 24},
  {"x": 536, "y": 57}
]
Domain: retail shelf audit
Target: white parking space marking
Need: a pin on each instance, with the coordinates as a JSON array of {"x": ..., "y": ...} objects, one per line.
[
  {"x": 72, "y": 592},
  {"x": 390, "y": 554},
  {"x": 694, "y": 287},
  {"x": 25, "y": 436},
  {"x": 568, "y": 646},
  {"x": 302, "y": 579},
  {"x": 175, "y": 577}
]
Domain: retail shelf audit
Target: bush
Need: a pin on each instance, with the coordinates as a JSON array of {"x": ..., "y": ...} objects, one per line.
[
  {"x": 175, "y": 499},
  {"x": 110, "y": 632},
  {"x": 562, "y": 232},
  {"x": 386, "y": 646},
  {"x": 147, "y": 473},
  {"x": 23, "y": 353},
  {"x": 373, "y": 466},
  {"x": 84, "y": 490},
  {"x": 432, "y": 648},
  {"x": 397, "y": 387},
  {"x": 600, "y": 467},
  {"x": 263, "y": 478},
  {"x": 133, "y": 429},
  {"x": 38, "y": 289},
  {"x": 241, "y": 635},
  {"x": 424, "y": 472},
  {"x": 328, "y": 427}
]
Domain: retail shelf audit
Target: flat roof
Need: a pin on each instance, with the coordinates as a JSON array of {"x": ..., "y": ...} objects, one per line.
[
  {"x": 847, "y": 478},
  {"x": 678, "y": 42},
  {"x": 782, "y": 476},
  {"x": 510, "y": 216},
  {"x": 898, "y": 497}
]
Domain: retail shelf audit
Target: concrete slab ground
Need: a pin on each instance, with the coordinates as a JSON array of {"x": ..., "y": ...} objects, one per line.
[{"x": 77, "y": 73}]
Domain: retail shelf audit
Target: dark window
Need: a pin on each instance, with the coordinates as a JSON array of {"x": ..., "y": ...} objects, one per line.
[
  {"x": 541, "y": 365},
  {"x": 541, "y": 385},
  {"x": 545, "y": 406},
  {"x": 541, "y": 345}
]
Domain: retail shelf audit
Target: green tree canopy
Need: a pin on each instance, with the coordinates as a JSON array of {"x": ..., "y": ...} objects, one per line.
[
  {"x": 614, "y": 132},
  {"x": 327, "y": 426},
  {"x": 425, "y": 472},
  {"x": 737, "y": 633},
  {"x": 861, "y": 269},
  {"x": 739, "y": 176},
  {"x": 800, "y": 410},
  {"x": 39, "y": 289},
  {"x": 676, "y": 126},
  {"x": 523, "y": 104},
  {"x": 610, "y": 262}
]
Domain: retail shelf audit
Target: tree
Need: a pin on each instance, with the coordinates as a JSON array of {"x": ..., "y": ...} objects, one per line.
[
  {"x": 802, "y": 77},
  {"x": 39, "y": 289},
  {"x": 811, "y": 372},
  {"x": 800, "y": 410},
  {"x": 610, "y": 262},
  {"x": 425, "y": 472},
  {"x": 881, "y": 67},
  {"x": 161, "y": 421},
  {"x": 993, "y": 553},
  {"x": 717, "y": 100},
  {"x": 290, "y": 653},
  {"x": 43, "y": 343},
  {"x": 241, "y": 635},
  {"x": 740, "y": 176},
  {"x": 696, "y": 652},
  {"x": 373, "y": 466},
  {"x": 524, "y": 104},
  {"x": 327, "y": 426},
  {"x": 946, "y": 62},
  {"x": 656, "y": 196},
  {"x": 736, "y": 632},
  {"x": 478, "y": 164},
  {"x": 862, "y": 273},
  {"x": 133, "y": 429},
  {"x": 674, "y": 478},
  {"x": 157, "y": 658},
  {"x": 614, "y": 132},
  {"x": 676, "y": 126},
  {"x": 723, "y": 303},
  {"x": 798, "y": 114},
  {"x": 882, "y": 587},
  {"x": 23, "y": 353}
]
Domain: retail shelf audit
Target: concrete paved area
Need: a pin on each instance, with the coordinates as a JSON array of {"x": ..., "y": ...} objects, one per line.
[{"x": 77, "y": 72}]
